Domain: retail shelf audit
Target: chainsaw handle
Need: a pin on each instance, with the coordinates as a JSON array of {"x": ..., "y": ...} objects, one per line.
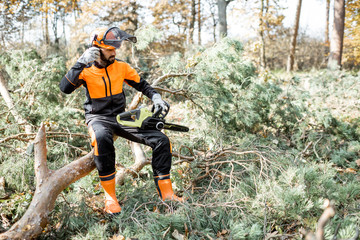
[
  {"x": 128, "y": 114},
  {"x": 124, "y": 115},
  {"x": 159, "y": 113}
]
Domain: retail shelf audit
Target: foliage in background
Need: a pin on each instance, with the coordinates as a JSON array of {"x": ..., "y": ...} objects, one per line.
[{"x": 352, "y": 34}]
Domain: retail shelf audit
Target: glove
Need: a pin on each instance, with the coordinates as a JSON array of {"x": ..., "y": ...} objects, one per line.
[
  {"x": 159, "y": 103},
  {"x": 90, "y": 55}
]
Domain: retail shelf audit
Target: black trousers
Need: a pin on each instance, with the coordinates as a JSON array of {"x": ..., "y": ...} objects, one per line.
[{"x": 102, "y": 130}]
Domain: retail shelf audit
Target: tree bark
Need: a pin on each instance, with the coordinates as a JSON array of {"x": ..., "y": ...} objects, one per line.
[
  {"x": 199, "y": 21},
  {"x": 222, "y": 5},
  {"x": 337, "y": 35},
  {"x": 49, "y": 184},
  {"x": 291, "y": 58},
  {"x": 327, "y": 22},
  {"x": 192, "y": 22},
  {"x": 10, "y": 103},
  {"x": 261, "y": 33}
]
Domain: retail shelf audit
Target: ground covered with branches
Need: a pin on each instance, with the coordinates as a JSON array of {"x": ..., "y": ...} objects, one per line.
[{"x": 264, "y": 151}]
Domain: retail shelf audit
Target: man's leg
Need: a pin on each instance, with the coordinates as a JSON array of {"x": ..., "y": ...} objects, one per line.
[
  {"x": 104, "y": 157},
  {"x": 161, "y": 159}
]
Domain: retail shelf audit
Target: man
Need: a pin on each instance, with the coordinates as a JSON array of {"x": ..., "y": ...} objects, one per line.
[{"x": 103, "y": 77}]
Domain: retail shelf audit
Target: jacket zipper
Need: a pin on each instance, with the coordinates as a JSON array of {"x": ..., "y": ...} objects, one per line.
[
  {"x": 111, "y": 96},
  {"x": 105, "y": 86}
]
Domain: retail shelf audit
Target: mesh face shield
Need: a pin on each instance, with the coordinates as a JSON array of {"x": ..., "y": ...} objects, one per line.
[{"x": 114, "y": 36}]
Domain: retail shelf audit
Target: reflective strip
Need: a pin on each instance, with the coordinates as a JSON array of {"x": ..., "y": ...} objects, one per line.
[
  {"x": 162, "y": 177},
  {"x": 69, "y": 80},
  {"x": 107, "y": 177},
  {"x": 93, "y": 141}
]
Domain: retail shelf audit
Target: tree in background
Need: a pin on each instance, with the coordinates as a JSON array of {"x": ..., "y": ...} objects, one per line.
[
  {"x": 13, "y": 17},
  {"x": 327, "y": 23},
  {"x": 351, "y": 54},
  {"x": 291, "y": 57},
  {"x": 222, "y": 5},
  {"x": 337, "y": 36},
  {"x": 124, "y": 13},
  {"x": 270, "y": 27}
]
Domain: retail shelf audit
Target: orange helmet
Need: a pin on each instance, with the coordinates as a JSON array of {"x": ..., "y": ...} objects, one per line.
[{"x": 110, "y": 38}]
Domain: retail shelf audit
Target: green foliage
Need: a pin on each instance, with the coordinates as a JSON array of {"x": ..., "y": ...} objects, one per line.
[{"x": 146, "y": 35}]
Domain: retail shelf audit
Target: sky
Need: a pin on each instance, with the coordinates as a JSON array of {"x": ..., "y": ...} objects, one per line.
[{"x": 312, "y": 18}]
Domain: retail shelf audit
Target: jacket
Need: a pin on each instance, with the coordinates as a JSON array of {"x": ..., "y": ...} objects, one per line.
[{"x": 104, "y": 86}]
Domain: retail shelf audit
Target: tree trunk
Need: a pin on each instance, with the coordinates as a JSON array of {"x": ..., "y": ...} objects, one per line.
[
  {"x": 10, "y": 103},
  {"x": 327, "y": 22},
  {"x": 291, "y": 58},
  {"x": 337, "y": 36},
  {"x": 49, "y": 184},
  {"x": 199, "y": 22},
  {"x": 47, "y": 38},
  {"x": 213, "y": 17},
  {"x": 261, "y": 33},
  {"x": 192, "y": 22},
  {"x": 222, "y": 4}
]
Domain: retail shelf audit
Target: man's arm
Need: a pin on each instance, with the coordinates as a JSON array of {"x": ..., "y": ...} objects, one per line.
[
  {"x": 142, "y": 86},
  {"x": 71, "y": 80}
]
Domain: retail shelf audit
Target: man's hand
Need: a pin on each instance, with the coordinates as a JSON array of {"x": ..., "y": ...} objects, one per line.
[
  {"x": 90, "y": 55},
  {"x": 159, "y": 103}
]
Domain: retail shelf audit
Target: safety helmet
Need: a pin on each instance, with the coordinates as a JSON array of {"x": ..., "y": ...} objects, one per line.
[{"x": 110, "y": 38}]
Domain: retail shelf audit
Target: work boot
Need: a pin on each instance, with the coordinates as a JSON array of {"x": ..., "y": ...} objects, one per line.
[
  {"x": 164, "y": 188},
  {"x": 111, "y": 203}
]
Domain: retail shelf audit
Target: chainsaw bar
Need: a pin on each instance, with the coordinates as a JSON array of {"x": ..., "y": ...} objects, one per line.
[{"x": 175, "y": 127}]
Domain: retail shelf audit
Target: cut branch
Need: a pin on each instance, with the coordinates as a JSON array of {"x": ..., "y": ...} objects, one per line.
[{"x": 49, "y": 185}]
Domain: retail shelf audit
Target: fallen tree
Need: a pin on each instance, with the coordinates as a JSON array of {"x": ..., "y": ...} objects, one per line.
[{"x": 49, "y": 184}]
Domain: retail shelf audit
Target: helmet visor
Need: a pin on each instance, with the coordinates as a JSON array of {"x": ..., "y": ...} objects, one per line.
[{"x": 114, "y": 36}]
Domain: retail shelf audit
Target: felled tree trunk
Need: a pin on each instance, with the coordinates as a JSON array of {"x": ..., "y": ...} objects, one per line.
[{"x": 49, "y": 184}]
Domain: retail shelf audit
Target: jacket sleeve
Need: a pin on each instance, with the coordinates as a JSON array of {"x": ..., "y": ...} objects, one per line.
[
  {"x": 133, "y": 79},
  {"x": 142, "y": 86},
  {"x": 71, "y": 80}
]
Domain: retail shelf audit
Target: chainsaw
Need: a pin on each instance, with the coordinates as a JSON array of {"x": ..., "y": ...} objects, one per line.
[{"x": 143, "y": 118}]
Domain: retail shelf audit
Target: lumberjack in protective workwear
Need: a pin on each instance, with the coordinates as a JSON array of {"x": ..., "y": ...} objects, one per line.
[{"x": 103, "y": 77}]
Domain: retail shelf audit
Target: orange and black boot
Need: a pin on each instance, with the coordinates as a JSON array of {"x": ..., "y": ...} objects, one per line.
[
  {"x": 111, "y": 203},
  {"x": 164, "y": 188}
]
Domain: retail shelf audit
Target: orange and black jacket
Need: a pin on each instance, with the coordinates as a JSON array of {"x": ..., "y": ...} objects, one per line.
[{"x": 104, "y": 86}]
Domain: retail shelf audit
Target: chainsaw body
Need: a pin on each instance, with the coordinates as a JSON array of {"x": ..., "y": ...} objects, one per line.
[{"x": 143, "y": 118}]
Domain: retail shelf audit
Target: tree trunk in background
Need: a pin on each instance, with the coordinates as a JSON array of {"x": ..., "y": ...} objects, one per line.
[
  {"x": 192, "y": 22},
  {"x": 222, "y": 4},
  {"x": 327, "y": 22},
  {"x": 199, "y": 22},
  {"x": 47, "y": 38},
  {"x": 337, "y": 35},
  {"x": 214, "y": 20},
  {"x": 291, "y": 58},
  {"x": 64, "y": 24},
  {"x": 261, "y": 33}
]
